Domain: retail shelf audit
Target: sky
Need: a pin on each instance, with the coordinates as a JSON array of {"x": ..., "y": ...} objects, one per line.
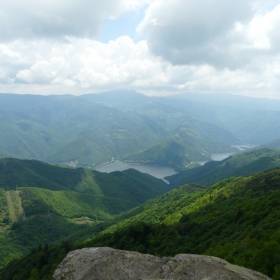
[{"x": 156, "y": 47}]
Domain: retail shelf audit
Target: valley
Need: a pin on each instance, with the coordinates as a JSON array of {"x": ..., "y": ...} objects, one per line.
[
  {"x": 154, "y": 170},
  {"x": 140, "y": 139},
  {"x": 89, "y": 130},
  {"x": 181, "y": 179}
]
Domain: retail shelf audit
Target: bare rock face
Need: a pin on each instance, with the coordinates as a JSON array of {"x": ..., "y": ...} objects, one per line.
[{"x": 108, "y": 264}]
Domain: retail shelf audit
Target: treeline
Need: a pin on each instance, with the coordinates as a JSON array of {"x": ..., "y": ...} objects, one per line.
[
  {"x": 240, "y": 164},
  {"x": 260, "y": 253},
  {"x": 39, "y": 264},
  {"x": 237, "y": 219},
  {"x": 241, "y": 224},
  {"x": 58, "y": 202}
]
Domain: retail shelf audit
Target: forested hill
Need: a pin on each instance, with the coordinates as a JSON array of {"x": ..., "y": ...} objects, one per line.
[
  {"x": 90, "y": 130},
  {"x": 181, "y": 148},
  {"x": 84, "y": 131},
  {"x": 244, "y": 163},
  {"x": 64, "y": 129},
  {"x": 42, "y": 203},
  {"x": 236, "y": 219},
  {"x": 223, "y": 117},
  {"x": 16, "y": 173}
]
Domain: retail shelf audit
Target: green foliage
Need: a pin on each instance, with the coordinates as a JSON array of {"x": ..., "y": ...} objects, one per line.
[
  {"x": 240, "y": 164},
  {"x": 39, "y": 264},
  {"x": 64, "y": 129},
  {"x": 181, "y": 149},
  {"x": 130, "y": 184},
  {"x": 248, "y": 119},
  {"x": 18, "y": 173},
  {"x": 10, "y": 250},
  {"x": 4, "y": 214},
  {"x": 165, "y": 113},
  {"x": 71, "y": 204},
  {"x": 58, "y": 202},
  {"x": 41, "y": 229},
  {"x": 236, "y": 219}
]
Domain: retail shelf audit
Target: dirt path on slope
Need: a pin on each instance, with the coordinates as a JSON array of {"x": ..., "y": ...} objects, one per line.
[
  {"x": 11, "y": 207},
  {"x": 20, "y": 209},
  {"x": 14, "y": 205}
]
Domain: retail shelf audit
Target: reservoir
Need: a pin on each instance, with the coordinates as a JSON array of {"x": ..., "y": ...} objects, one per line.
[
  {"x": 154, "y": 170},
  {"x": 157, "y": 171},
  {"x": 216, "y": 157}
]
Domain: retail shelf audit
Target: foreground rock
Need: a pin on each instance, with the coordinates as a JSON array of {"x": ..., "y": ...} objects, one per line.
[{"x": 108, "y": 263}]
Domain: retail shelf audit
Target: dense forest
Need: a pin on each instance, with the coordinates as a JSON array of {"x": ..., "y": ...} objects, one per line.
[
  {"x": 42, "y": 203},
  {"x": 236, "y": 219},
  {"x": 89, "y": 130},
  {"x": 245, "y": 163},
  {"x": 228, "y": 208}
]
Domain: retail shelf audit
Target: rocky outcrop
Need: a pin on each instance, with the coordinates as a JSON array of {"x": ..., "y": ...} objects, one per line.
[{"x": 107, "y": 263}]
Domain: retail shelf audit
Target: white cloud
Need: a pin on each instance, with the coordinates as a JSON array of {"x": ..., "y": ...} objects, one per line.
[
  {"x": 83, "y": 65},
  {"x": 225, "y": 34},
  {"x": 134, "y": 5},
  {"x": 55, "y": 19},
  {"x": 49, "y": 47}
]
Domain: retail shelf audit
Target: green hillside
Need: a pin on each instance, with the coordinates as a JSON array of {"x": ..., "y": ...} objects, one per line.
[
  {"x": 42, "y": 203},
  {"x": 92, "y": 129},
  {"x": 74, "y": 193},
  {"x": 240, "y": 164},
  {"x": 130, "y": 184},
  {"x": 66, "y": 129},
  {"x": 275, "y": 144},
  {"x": 223, "y": 117},
  {"x": 181, "y": 149},
  {"x": 251, "y": 120},
  {"x": 47, "y": 210},
  {"x": 236, "y": 219},
  {"x": 164, "y": 112}
]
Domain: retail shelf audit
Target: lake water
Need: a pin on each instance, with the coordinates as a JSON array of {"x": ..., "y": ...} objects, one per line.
[
  {"x": 157, "y": 171},
  {"x": 216, "y": 157},
  {"x": 154, "y": 170}
]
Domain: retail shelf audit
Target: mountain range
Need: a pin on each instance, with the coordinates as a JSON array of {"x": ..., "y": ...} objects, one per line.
[
  {"x": 236, "y": 219},
  {"x": 53, "y": 201},
  {"x": 35, "y": 196},
  {"x": 240, "y": 164},
  {"x": 66, "y": 129},
  {"x": 93, "y": 129}
]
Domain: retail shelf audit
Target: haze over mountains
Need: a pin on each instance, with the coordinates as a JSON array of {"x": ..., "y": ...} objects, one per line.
[
  {"x": 52, "y": 200},
  {"x": 91, "y": 129},
  {"x": 139, "y": 125}
]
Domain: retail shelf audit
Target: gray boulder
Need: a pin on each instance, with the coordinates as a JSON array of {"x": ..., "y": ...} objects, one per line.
[{"x": 108, "y": 264}]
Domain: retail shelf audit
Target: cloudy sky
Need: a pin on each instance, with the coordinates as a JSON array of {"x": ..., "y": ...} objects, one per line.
[{"x": 156, "y": 47}]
